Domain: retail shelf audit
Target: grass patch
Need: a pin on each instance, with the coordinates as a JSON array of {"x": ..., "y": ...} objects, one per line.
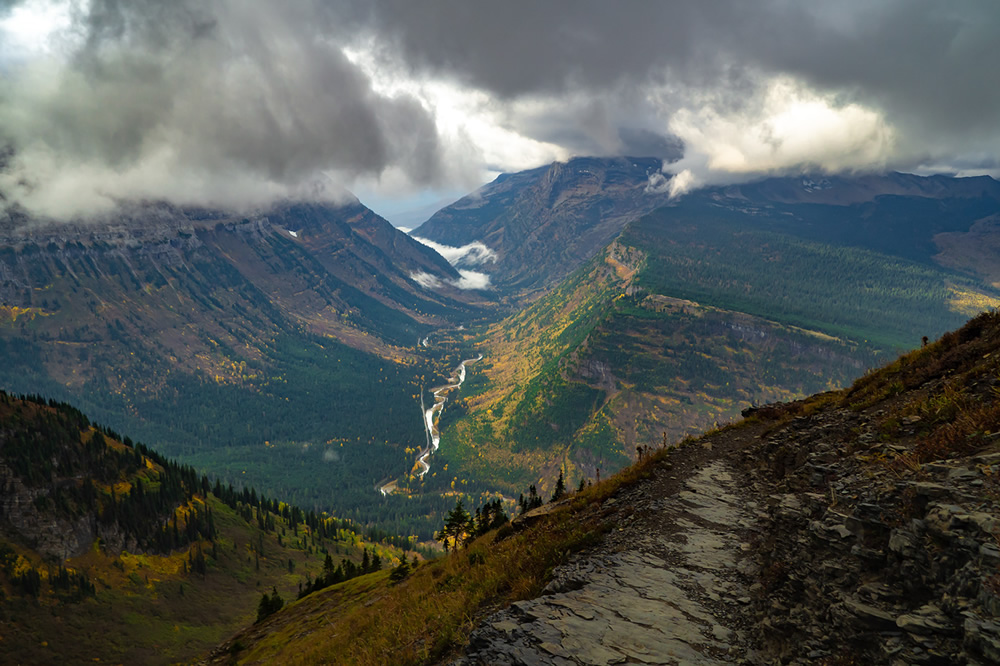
[{"x": 430, "y": 614}]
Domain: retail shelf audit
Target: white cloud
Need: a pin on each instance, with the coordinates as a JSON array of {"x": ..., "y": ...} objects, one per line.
[
  {"x": 426, "y": 280},
  {"x": 31, "y": 28},
  {"x": 467, "y": 280},
  {"x": 472, "y": 280},
  {"x": 473, "y": 254},
  {"x": 790, "y": 129}
]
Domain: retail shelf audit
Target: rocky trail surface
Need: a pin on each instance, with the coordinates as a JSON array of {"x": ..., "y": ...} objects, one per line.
[{"x": 668, "y": 585}]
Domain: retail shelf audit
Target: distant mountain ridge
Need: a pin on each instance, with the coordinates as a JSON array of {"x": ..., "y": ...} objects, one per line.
[
  {"x": 543, "y": 223},
  {"x": 348, "y": 244},
  {"x": 846, "y": 190}
]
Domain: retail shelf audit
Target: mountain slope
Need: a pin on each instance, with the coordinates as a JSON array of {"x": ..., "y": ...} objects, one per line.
[
  {"x": 109, "y": 552},
  {"x": 278, "y": 349},
  {"x": 599, "y": 367},
  {"x": 855, "y": 526},
  {"x": 545, "y": 222}
]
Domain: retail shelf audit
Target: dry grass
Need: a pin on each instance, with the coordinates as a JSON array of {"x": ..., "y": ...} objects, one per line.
[
  {"x": 425, "y": 618},
  {"x": 951, "y": 401},
  {"x": 963, "y": 435},
  {"x": 431, "y": 612}
]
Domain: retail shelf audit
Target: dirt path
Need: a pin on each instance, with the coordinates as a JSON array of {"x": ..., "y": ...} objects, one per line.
[{"x": 669, "y": 585}]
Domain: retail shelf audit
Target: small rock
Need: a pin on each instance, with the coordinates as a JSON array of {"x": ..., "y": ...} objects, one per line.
[
  {"x": 927, "y": 620},
  {"x": 721, "y": 633},
  {"x": 506, "y": 626},
  {"x": 869, "y": 613}
]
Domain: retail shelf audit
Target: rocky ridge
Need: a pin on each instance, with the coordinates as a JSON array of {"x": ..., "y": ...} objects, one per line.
[
  {"x": 667, "y": 586},
  {"x": 870, "y": 547},
  {"x": 855, "y": 527}
]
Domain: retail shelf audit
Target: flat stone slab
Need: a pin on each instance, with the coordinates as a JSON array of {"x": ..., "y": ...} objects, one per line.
[{"x": 657, "y": 603}]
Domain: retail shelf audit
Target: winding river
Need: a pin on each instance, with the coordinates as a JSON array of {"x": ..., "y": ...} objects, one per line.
[{"x": 430, "y": 417}]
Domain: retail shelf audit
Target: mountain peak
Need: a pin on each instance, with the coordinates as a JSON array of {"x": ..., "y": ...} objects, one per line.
[{"x": 542, "y": 223}]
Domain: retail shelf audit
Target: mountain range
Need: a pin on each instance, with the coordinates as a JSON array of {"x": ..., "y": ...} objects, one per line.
[
  {"x": 287, "y": 348},
  {"x": 277, "y": 349},
  {"x": 296, "y": 350}
]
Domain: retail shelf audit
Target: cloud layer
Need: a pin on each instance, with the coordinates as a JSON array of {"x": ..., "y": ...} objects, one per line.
[
  {"x": 476, "y": 253},
  {"x": 219, "y": 101},
  {"x": 467, "y": 280},
  {"x": 238, "y": 102},
  {"x": 473, "y": 254}
]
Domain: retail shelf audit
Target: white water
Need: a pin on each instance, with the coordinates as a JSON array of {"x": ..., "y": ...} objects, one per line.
[
  {"x": 430, "y": 417},
  {"x": 432, "y": 414}
]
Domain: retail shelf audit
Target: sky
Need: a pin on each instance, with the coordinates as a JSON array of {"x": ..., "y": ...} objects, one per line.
[{"x": 238, "y": 103}]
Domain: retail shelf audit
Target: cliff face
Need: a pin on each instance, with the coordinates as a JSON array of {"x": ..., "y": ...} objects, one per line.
[
  {"x": 51, "y": 534},
  {"x": 881, "y": 536},
  {"x": 307, "y": 258}
]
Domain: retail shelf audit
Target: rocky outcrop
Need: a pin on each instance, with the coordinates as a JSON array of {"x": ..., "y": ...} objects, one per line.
[
  {"x": 668, "y": 586},
  {"x": 52, "y": 535},
  {"x": 867, "y": 554}
]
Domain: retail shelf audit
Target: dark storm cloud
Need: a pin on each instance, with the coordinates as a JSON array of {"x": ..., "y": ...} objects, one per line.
[
  {"x": 525, "y": 47},
  {"x": 922, "y": 61},
  {"x": 930, "y": 66},
  {"x": 243, "y": 100},
  {"x": 243, "y": 92}
]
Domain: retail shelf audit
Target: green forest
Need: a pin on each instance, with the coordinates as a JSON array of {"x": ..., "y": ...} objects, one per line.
[{"x": 711, "y": 255}]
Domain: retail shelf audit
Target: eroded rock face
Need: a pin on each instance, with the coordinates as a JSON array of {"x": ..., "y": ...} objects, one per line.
[
  {"x": 669, "y": 586},
  {"x": 884, "y": 562},
  {"x": 53, "y": 536}
]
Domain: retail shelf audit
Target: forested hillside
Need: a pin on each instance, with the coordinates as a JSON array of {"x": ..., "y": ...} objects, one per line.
[
  {"x": 810, "y": 265},
  {"x": 111, "y": 552},
  {"x": 278, "y": 350},
  {"x": 709, "y": 305}
]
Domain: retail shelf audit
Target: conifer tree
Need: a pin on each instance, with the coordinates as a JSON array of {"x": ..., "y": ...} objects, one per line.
[
  {"x": 560, "y": 488},
  {"x": 455, "y": 525},
  {"x": 328, "y": 565}
]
